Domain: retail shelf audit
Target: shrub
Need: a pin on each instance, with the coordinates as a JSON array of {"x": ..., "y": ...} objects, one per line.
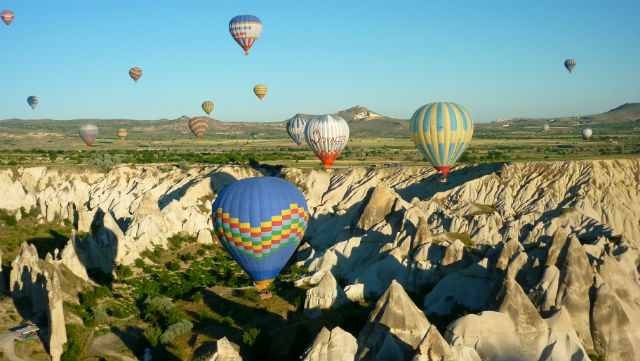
[
  {"x": 173, "y": 266},
  {"x": 152, "y": 334},
  {"x": 139, "y": 263},
  {"x": 100, "y": 316},
  {"x": 249, "y": 336},
  {"x": 197, "y": 297},
  {"x": 176, "y": 330},
  {"x": 124, "y": 272},
  {"x": 227, "y": 321}
]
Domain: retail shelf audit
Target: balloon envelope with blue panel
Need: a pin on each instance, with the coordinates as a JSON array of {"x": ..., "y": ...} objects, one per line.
[
  {"x": 295, "y": 128},
  {"x": 260, "y": 222},
  {"x": 441, "y": 131}
]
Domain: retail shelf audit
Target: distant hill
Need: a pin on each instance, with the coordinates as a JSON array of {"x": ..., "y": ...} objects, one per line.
[
  {"x": 364, "y": 122},
  {"x": 625, "y": 113}
]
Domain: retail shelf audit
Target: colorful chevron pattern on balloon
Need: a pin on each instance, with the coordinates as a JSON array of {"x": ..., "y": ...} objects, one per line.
[
  {"x": 122, "y": 133},
  {"x": 260, "y": 241},
  {"x": 198, "y": 126},
  {"x": 135, "y": 73}
]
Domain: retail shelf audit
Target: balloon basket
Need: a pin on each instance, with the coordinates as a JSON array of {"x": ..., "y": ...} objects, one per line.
[
  {"x": 443, "y": 180},
  {"x": 246, "y": 53}
]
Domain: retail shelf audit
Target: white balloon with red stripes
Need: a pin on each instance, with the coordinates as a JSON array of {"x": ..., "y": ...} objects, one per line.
[{"x": 327, "y": 135}]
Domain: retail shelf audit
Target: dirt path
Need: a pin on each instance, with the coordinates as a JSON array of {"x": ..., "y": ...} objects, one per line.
[
  {"x": 7, "y": 346},
  {"x": 108, "y": 345}
]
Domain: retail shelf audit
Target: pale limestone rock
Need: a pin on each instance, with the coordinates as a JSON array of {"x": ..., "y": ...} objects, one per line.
[
  {"x": 395, "y": 316},
  {"x": 355, "y": 293},
  {"x": 70, "y": 258},
  {"x": 544, "y": 293},
  {"x": 433, "y": 347},
  {"x": 337, "y": 345},
  {"x": 13, "y": 193},
  {"x": 616, "y": 333},
  {"x": 204, "y": 237},
  {"x": 378, "y": 206},
  {"x": 225, "y": 352},
  {"x": 454, "y": 253},
  {"x": 326, "y": 295},
  {"x": 57, "y": 335}
]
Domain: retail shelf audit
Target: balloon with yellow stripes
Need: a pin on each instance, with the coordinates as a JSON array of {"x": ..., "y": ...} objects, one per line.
[
  {"x": 260, "y": 90},
  {"x": 441, "y": 131}
]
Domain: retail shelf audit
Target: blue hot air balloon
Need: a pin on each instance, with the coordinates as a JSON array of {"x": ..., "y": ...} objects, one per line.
[
  {"x": 32, "y": 101},
  {"x": 260, "y": 222},
  {"x": 295, "y": 128}
]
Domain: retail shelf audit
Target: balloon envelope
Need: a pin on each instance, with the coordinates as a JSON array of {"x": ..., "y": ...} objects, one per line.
[
  {"x": 586, "y": 133},
  {"x": 295, "y": 128},
  {"x": 7, "y": 16},
  {"x": 570, "y": 64},
  {"x": 245, "y": 30},
  {"x": 260, "y": 222},
  {"x": 545, "y": 128},
  {"x": 260, "y": 91},
  {"x": 89, "y": 133},
  {"x": 122, "y": 133},
  {"x": 254, "y": 135},
  {"x": 198, "y": 126},
  {"x": 32, "y": 101},
  {"x": 207, "y": 107},
  {"x": 441, "y": 132},
  {"x": 327, "y": 135},
  {"x": 135, "y": 73}
]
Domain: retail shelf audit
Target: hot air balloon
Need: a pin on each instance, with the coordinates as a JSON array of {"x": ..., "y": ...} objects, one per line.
[
  {"x": 586, "y": 133},
  {"x": 441, "y": 132},
  {"x": 254, "y": 135},
  {"x": 570, "y": 64},
  {"x": 327, "y": 135},
  {"x": 198, "y": 126},
  {"x": 207, "y": 107},
  {"x": 545, "y": 128},
  {"x": 122, "y": 133},
  {"x": 295, "y": 128},
  {"x": 245, "y": 30},
  {"x": 260, "y": 91},
  {"x": 135, "y": 73},
  {"x": 32, "y": 101},
  {"x": 89, "y": 133},
  {"x": 7, "y": 16},
  {"x": 260, "y": 222}
]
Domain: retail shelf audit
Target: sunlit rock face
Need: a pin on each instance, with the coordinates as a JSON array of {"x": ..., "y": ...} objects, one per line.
[{"x": 560, "y": 239}]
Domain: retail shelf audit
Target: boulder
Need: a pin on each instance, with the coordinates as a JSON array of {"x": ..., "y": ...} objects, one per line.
[
  {"x": 204, "y": 237},
  {"x": 334, "y": 345}
]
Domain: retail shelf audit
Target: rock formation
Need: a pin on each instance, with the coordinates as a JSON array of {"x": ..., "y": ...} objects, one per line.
[
  {"x": 3, "y": 288},
  {"x": 225, "y": 352},
  {"x": 326, "y": 295},
  {"x": 334, "y": 345}
]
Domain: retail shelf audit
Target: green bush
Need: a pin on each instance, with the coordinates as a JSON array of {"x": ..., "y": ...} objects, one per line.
[
  {"x": 249, "y": 336},
  {"x": 139, "y": 263},
  {"x": 124, "y": 272},
  {"x": 197, "y": 297},
  {"x": 176, "y": 330},
  {"x": 152, "y": 335},
  {"x": 173, "y": 266}
]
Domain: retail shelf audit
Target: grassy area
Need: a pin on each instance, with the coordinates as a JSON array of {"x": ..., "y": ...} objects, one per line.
[
  {"x": 463, "y": 237},
  {"x": 46, "y": 236}
]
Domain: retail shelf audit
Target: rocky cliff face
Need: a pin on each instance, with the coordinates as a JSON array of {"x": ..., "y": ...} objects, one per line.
[{"x": 559, "y": 240}]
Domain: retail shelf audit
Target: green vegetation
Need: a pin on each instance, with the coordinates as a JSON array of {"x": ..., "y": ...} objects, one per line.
[{"x": 463, "y": 237}]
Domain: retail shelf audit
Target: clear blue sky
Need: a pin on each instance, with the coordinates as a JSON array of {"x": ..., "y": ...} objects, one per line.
[{"x": 498, "y": 59}]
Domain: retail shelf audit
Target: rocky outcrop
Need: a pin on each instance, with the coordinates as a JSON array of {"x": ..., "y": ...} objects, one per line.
[
  {"x": 326, "y": 295},
  {"x": 56, "y": 336},
  {"x": 225, "y": 352},
  {"x": 334, "y": 345},
  {"x": 3, "y": 288},
  {"x": 394, "y": 327},
  {"x": 379, "y": 206}
]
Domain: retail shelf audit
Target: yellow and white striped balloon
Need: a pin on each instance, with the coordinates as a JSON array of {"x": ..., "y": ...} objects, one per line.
[{"x": 441, "y": 131}]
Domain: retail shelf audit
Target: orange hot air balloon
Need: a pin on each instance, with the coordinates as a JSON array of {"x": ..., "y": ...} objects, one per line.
[
  {"x": 122, "y": 133},
  {"x": 260, "y": 91}
]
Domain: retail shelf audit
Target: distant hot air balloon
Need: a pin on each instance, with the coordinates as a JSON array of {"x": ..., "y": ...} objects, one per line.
[
  {"x": 245, "y": 30},
  {"x": 207, "y": 107},
  {"x": 441, "y": 131},
  {"x": 198, "y": 126},
  {"x": 260, "y": 222},
  {"x": 260, "y": 91},
  {"x": 254, "y": 135},
  {"x": 122, "y": 133},
  {"x": 295, "y": 128},
  {"x": 7, "y": 16},
  {"x": 586, "y": 133},
  {"x": 89, "y": 133},
  {"x": 327, "y": 136},
  {"x": 32, "y": 101},
  {"x": 570, "y": 64},
  {"x": 545, "y": 128},
  {"x": 135, "y": 73}
]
